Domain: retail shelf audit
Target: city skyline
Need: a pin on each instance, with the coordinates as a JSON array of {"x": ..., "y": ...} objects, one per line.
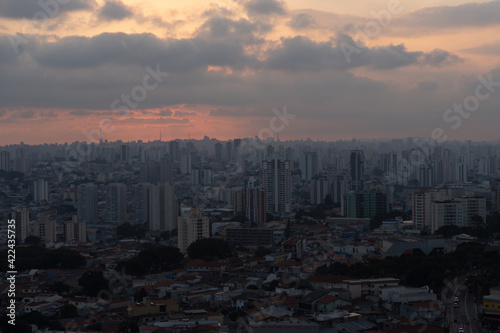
[{"x": 132, "y": 69}]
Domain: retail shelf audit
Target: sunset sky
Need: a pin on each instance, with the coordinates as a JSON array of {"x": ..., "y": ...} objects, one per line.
[{"x": 344, "y": 69}]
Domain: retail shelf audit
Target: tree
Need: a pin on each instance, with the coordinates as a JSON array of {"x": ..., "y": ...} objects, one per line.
[
  {"x": 60, "y": 288},
  {"x": 261, "y": 251},
  {"x": 126, "y": 230},
  {"x": 63, "y": 209},
  {"x": 233, "y": 315},
  {"x": 448, "y": 231},
  {"x": 68, "y": 311},
  {"x": 328, "y": 200},
  {"x": 33, "y": 240},
  {"x": 208, "y": 249},
  {"x": 92, "y": 282},
  {"x": 153, "y": 259},
  {"x": 63, "y": 258},
  {"x": 128, "y": 326},
  {"x": 139, "y": 295},
  {"x": 478, "y": 221}
]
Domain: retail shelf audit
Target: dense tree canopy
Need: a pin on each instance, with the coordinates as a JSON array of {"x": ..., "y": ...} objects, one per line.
[
  {"x": 153, "y": 259},
  {"x": 420, "y": 270},
  {"x": 126, "y": 230},
  {"x": 38, "y": 257},
  {"x": 92, "y": 282},
  {"x": 209, "y": 249}
]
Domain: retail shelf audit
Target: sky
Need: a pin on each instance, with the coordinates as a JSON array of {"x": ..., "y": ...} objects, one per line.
[{"x": 72, "y": 70}]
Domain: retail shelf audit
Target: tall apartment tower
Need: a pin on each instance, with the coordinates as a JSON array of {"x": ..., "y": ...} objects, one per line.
[
  {"x": 309, "y": 165},
  {"x": 422, "y": 206},
  {"x": 87, "y": 203},
  {"x": 40, "y": 190},
  {"x": 219, "y": 152},
  {"x": 255, "y": 202},
  {"x": 22, "y": 217},
  {"x": 276, "y": 181},
  {"x": 357, "y": 170},
  {"x": 45, "y": 229},
  {"x": 141, "y": 202},
  {"x": 320, "y": 187},
  {"x": 191, "y": 228},
  {"x": 116, "y": 203},
  {"x": 75, "y": 231},
  {"x": 163, "y": 207},
  {"x": 175, "y": 151},
  {"x": 495, "y": 191},
  {"x": 5, "y": 160}
]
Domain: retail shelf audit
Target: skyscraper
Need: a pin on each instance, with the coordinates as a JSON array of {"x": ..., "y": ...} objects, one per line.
[
  {"x": 163, "y": 207},
  {"x": 4, "y": 160},
  {"x": 87, "y": 203},
  {"x": 357, "y": 170},
  {"x": 320, "y": 187},
  {"x": 174, "y": 150},
  {"x": 141, "y": 202},
  {"x": 366, "y": 203},
  {"x": 116, "y": 203},
  {"x": 219, "y": 152},
  {"x": 309, "y": 165},
  {"x": 276, "y": 181},
  {"x": 255, "y": 202},
  {"x": 40, "y": 190}
]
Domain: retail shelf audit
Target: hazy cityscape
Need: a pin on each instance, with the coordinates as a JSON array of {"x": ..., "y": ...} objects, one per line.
[
  {"x": 208, "y": 235},
  {"x": 249, "y": 166}
]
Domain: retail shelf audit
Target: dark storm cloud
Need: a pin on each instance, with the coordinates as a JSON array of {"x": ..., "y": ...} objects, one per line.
[
  {"x": 140, "y": 49},
  {"x": 302, "y": 21},
  {"x": 7, "y": 53},
  {"x": 469, "y": 14},
  {"x": 115, "y": 10},
  {"x": 439, "y": 58},
  {"x": 265, "y": 7},
  {"x": 219, "y": 27},
  {"x": 18, "y": 9},
  {"x": 303, "y": 54},
  {"x": 26, "y": 114}
]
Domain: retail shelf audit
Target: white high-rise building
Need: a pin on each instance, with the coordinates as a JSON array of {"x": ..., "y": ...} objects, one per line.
[
  {"x": 87, "y": 203},
  {"x": 116, "y": 203},
  {"x": 422, "y": 206},
  {"x": 460, "y": 212},
  {"x": 191, "y": 228},
  {"x": 163, "y": 207}
]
